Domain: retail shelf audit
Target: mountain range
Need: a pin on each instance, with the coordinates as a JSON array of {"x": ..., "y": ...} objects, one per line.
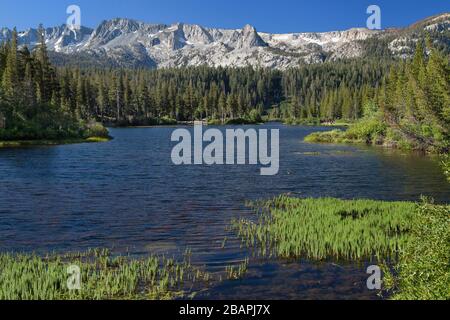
[{"x": 133, "y": 44}]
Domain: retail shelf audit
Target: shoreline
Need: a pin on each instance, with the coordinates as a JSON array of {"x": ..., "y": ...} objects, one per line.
[
  {"x": 191, "y": 123},
  {"x": 50, "y": 142},
  {"x": 338, "y": 137},
  {"x": 183, "y": 124}
]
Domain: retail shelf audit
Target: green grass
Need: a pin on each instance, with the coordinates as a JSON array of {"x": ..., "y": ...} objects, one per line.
[
  {"x": 29, "y": 143},
  {"x": 370, "y": 131},
  {"x": 321, "y": 229},
  {"x": 411, "y": 240},
  {"x": 315, "y": 122},
  {"x": 339, "y": 123},
  {"x": 237, "y": 272},
  {"x": 104, "y": 276},
  {"x": 97, "y": 139},
  {"x": 423, "y": 269},
  {"x": 334, "y": 136}
]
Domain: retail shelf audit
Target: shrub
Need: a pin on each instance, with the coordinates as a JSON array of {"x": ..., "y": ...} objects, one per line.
[
  {"x": 334, "y": 136},
  {"x": 368, "y": 130},
  {"x": 95, "y": 129},
  {"x": 255, "y": 116},
  {"x": 423, "y": 272}
]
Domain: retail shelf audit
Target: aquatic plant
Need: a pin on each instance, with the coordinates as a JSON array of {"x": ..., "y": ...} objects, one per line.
[
  {"x": 327, "y": 228},
  {"x": 237, "y": 272},
  {"x": 103, "y": 276},
  {"x": 224, "y": 243}
]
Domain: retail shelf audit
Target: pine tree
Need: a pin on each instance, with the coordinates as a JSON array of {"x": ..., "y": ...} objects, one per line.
[
  {"x": 29, "y": 88},
  {"x": 439, "y": 88},
  {"x": 419, "y": 59},
  {"x": 10, "y": 79},
  {"x": 45, "y": 72},
  {"x": 222, "y": 106}
]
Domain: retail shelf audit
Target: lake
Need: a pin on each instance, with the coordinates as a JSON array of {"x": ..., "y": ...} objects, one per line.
[{"x": 127, "y": 195}]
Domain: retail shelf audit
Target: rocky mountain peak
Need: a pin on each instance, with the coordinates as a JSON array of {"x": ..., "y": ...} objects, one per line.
[
  {"x": 250, "y": 38},
  {"x": 109, "y": 30},
  {"x": 196, "y": 34},
  {"x": 131, "y": 43}
]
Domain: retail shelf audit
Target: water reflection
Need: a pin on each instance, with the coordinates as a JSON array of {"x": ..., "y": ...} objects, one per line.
[{"x": 127, "y": 195}]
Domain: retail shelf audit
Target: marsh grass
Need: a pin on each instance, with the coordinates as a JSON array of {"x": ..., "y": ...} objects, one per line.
[
  {"x": 321, "y": 229},
  {"x": 103, "y": 276},
  {"x": 333, "y": 137},
  {"x": 237, "y": 272},
  {"x": 97, "y": 139}
]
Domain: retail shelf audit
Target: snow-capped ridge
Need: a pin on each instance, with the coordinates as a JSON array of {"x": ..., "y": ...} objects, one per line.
[{"x": 129, "y": 42}]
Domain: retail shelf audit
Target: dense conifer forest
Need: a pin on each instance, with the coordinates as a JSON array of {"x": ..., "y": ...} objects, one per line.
[
  {"x": 38, "y": 100},
  {"x": 31, "y": 103},
  {"x": 411, "y": 110},
  {"x": 330, "y": 91}
]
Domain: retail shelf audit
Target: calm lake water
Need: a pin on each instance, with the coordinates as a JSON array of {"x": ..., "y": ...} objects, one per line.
[{"x": 127, "y": 195}]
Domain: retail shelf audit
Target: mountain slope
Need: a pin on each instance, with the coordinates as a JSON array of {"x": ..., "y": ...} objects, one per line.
[{"x": 130, "y": 43}]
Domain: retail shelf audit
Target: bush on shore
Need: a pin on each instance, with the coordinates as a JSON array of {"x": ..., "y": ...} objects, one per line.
[{"x": 423, "y": 269}]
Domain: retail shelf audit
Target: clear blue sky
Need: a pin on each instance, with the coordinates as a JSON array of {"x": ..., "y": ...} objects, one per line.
[{"x": 266, "y": 15}]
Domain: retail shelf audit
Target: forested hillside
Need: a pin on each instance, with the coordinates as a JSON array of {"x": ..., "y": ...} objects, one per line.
[
  {"x": 132, "y": 97},
  {"x": 411, "y": 110},
  {"x": 30, "y": 98},
  {"x": 400, "y": 101}
]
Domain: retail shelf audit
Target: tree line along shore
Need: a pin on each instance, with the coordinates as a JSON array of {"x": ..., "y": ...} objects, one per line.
[{"x": 402, "y": 103}]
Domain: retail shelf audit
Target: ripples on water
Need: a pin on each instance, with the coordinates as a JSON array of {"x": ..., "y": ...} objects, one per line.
[{"x": 127, "y": 195}]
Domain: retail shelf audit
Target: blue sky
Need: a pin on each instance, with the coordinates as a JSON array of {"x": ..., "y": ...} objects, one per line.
[{"x": 266, "y": 15}]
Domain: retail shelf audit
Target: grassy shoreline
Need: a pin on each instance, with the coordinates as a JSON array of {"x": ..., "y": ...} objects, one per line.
[
  {"x": 50, "y": 142},
  {"x": 106, "y": 276},
  {"x": 414, "y": 237},
  {"x": 373, "y": 132},
  {"x": 332, "y": 137},
  {"x": 102, "y": 276}
]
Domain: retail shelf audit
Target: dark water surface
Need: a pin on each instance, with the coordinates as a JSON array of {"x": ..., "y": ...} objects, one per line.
[{"x": 126, "y": 194}]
